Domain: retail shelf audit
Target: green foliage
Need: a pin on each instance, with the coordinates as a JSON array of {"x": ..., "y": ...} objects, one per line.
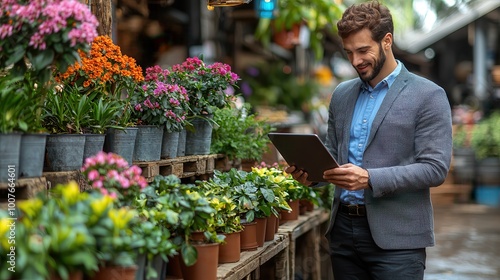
[
  {"x": 485, "y": 139},
  {"x": 20, "y": 103},
  {"x": 187, "y": 211},
  {"x": 68, "y": 231},
  {"x": 239, "y": 134},
  {"x": 271, "y": 84},
  {"x": 319, "y": 16}
]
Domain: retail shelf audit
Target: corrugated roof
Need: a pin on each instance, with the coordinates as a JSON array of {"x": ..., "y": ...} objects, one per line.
[{"x": 415, "y": 41}]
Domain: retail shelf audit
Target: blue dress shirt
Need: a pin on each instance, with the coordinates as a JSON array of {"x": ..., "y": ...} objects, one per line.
[{"x": 367, "y": 105}]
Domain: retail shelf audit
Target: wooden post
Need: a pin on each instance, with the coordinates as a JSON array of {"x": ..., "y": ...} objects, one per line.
[{"x": 102, "y": 9}]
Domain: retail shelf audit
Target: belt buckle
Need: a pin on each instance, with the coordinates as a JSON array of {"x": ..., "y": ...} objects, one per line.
[{"x": 353, "y": 210}]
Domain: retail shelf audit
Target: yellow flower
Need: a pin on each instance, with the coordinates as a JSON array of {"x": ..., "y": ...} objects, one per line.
[
  {"x": 31, "y": 207},
  {"x": 278, "y": 179},
  {"x": 121, "y": 217},
  {"x": 193, "y": 195},
  {"x": 5, "y": 225},
  {"x": 71, "y": 192},
  {"x": 98, "y": 207}
]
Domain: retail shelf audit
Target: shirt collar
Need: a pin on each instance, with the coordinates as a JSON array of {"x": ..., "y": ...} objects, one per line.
[{"x": 387, "y": 81}]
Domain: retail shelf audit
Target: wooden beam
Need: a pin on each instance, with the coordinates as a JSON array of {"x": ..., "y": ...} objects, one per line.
[{"x": 102, "y": 9}]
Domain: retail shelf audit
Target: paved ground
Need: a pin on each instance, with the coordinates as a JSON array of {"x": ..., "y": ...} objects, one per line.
[{"x": 467, "y": 243}]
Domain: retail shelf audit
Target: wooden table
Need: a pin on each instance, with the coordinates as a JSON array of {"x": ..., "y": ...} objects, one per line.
[
  {"x": 248, "y": 267},
  {"x": 308, "y": 227}
]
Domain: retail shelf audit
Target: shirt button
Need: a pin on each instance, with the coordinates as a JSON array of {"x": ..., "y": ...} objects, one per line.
[{"x": 364, "y": 120}]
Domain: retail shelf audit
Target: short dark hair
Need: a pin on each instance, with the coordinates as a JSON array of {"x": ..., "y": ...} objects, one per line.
[{"x": 372, "y": 15}]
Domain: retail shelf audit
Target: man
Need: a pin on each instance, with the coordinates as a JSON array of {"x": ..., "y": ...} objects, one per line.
[{"x": 391, "y": 132}]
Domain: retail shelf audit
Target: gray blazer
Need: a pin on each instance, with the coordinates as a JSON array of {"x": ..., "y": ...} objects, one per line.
[{"x": 408, "y": 151}]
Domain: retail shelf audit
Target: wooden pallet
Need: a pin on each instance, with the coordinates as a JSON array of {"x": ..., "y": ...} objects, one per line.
[
  {"x": 25, "y": 188},
  {"x": 182, "y": 167}
]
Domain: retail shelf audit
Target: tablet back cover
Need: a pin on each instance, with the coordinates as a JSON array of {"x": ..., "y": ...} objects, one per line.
[{"x": 306, "y": 152}]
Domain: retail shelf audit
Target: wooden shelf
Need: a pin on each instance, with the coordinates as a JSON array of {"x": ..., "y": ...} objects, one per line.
[{"x": 307, "y": 227}]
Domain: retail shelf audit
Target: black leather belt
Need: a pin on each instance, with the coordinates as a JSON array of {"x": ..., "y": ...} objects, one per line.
[{"x": 357, "y": 210}]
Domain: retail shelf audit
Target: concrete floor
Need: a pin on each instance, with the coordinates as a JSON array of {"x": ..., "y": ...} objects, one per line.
[{"x": 467, "y": 243}]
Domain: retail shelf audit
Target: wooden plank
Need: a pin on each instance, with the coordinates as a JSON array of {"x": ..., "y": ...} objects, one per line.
[
  {"x": 25, "y": 188},
  {"x": 273, "y": 247},
  {"x": 249, "y": 261}
]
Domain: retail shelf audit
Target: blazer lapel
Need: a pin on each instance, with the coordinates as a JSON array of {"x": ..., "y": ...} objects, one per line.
[{"x": 393, "y": 92}]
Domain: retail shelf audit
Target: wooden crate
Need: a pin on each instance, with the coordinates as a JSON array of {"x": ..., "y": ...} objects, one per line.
[{"x": 181, "y": 167}]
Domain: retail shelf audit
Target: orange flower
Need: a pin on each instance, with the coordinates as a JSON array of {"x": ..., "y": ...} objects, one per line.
[{"x": 104, "y": 67}]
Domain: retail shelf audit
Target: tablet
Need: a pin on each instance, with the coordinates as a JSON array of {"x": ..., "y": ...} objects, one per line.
[{"x": 306, "y": 152}]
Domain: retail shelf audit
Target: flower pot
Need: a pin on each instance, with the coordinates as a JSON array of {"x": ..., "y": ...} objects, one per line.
[
  {"x": 64, "y": 152},
  {"x": 148, "y": 143},
  {"x": 75, "y": 275},
  {"x": 157, "y": 263},
  {"x": 32, "y": 155},
  {"x": 270, "y": 227},
  {"x": 174, "y": 266},
  {"x": 261, "y": 231},
  {"x": 181, "y": 147},
  {"x": 115, "y": 273},
  {"x": 94, "y": 143},
  {"x": 248, "y": 237},
  {"x": 121, "y": 142},
  {"x": 205, "y": 267},
  {"x": 169, "y": 144},
  {"x": 291, "y": 215},
  {"x": 488, "y": 171},
  {"x": 10, "y": 149},
  {"x": 198, "y": 141},
  {"x": 464, "y": 160},
  {"x": 230, "y": 250}
]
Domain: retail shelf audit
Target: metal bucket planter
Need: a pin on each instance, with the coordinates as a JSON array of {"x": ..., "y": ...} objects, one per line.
[
  {"x": 32, "y": 156},
  {"x": 121, "y": 142},
  {"x": 199, "y": 140},
  {"x": 94, "y": 143},
  {"x": 64, "y": 152},
  {"x": 148, "y": 143},
  {"x": 169, "y": 144},
  {"x": 10, "y": 146}
]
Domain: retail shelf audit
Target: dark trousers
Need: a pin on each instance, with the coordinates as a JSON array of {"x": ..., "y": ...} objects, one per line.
[{"x": 355, "y": 255}]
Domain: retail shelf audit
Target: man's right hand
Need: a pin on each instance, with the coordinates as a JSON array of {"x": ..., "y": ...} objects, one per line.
[{"x": 298, "y": 174}]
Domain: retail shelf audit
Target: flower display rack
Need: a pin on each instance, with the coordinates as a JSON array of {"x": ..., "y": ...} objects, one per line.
[
  {"x": 24, "y": 188},
  {"x": 182, "y": 167}
]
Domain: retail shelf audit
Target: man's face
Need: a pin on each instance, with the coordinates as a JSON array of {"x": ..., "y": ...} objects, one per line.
[{"x": 365, "y": 55}]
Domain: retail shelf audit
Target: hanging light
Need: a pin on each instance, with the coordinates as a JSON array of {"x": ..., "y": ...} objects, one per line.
[
  {"x": 211, "y": 4},
  {"x": 265, "y": 8}
]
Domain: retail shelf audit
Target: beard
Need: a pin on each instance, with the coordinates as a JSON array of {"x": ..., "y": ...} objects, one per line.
[{"x": 377, "y": 67}]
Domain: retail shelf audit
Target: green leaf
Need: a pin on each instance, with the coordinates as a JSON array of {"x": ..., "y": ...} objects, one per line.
[{"x": 189, "y": 254}]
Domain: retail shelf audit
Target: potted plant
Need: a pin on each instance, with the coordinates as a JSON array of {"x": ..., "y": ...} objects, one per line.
[
  {"x": 111, "y": 175},
  {"x": 104, "y": 72},
  {"x": 227, "y": 219},
  {"x": 194, "y": 215},
  {"x": 65, "y": 114},
  {"x": 486, "y": 143},
  {"x": 13, "y": 103},
  {"x": 239, "y": 134},
  {"x": 160, "y": 107},
  {"x": 318, "y": 17},
  {"x": 53, "y": 236},
  {"x": 207, "y": 87},
  {"x": 44, "y": 35}
]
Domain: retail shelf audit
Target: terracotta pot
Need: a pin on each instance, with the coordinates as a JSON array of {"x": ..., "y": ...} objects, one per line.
[
  {"x": 230, "y": 250},
  {"x": 261, "y": 230},
  {"x": 115, "y": 273},
  {"x": 271, "y": 227},
  {"x": 249, "y": 237},
  {"x": 198, "y": 236},
  {"x": 205, "y": 267},
  {"x": 76, "y": 275},
  {"x": 291, "y": 215},
  {"x": 174, "y": 266}
]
